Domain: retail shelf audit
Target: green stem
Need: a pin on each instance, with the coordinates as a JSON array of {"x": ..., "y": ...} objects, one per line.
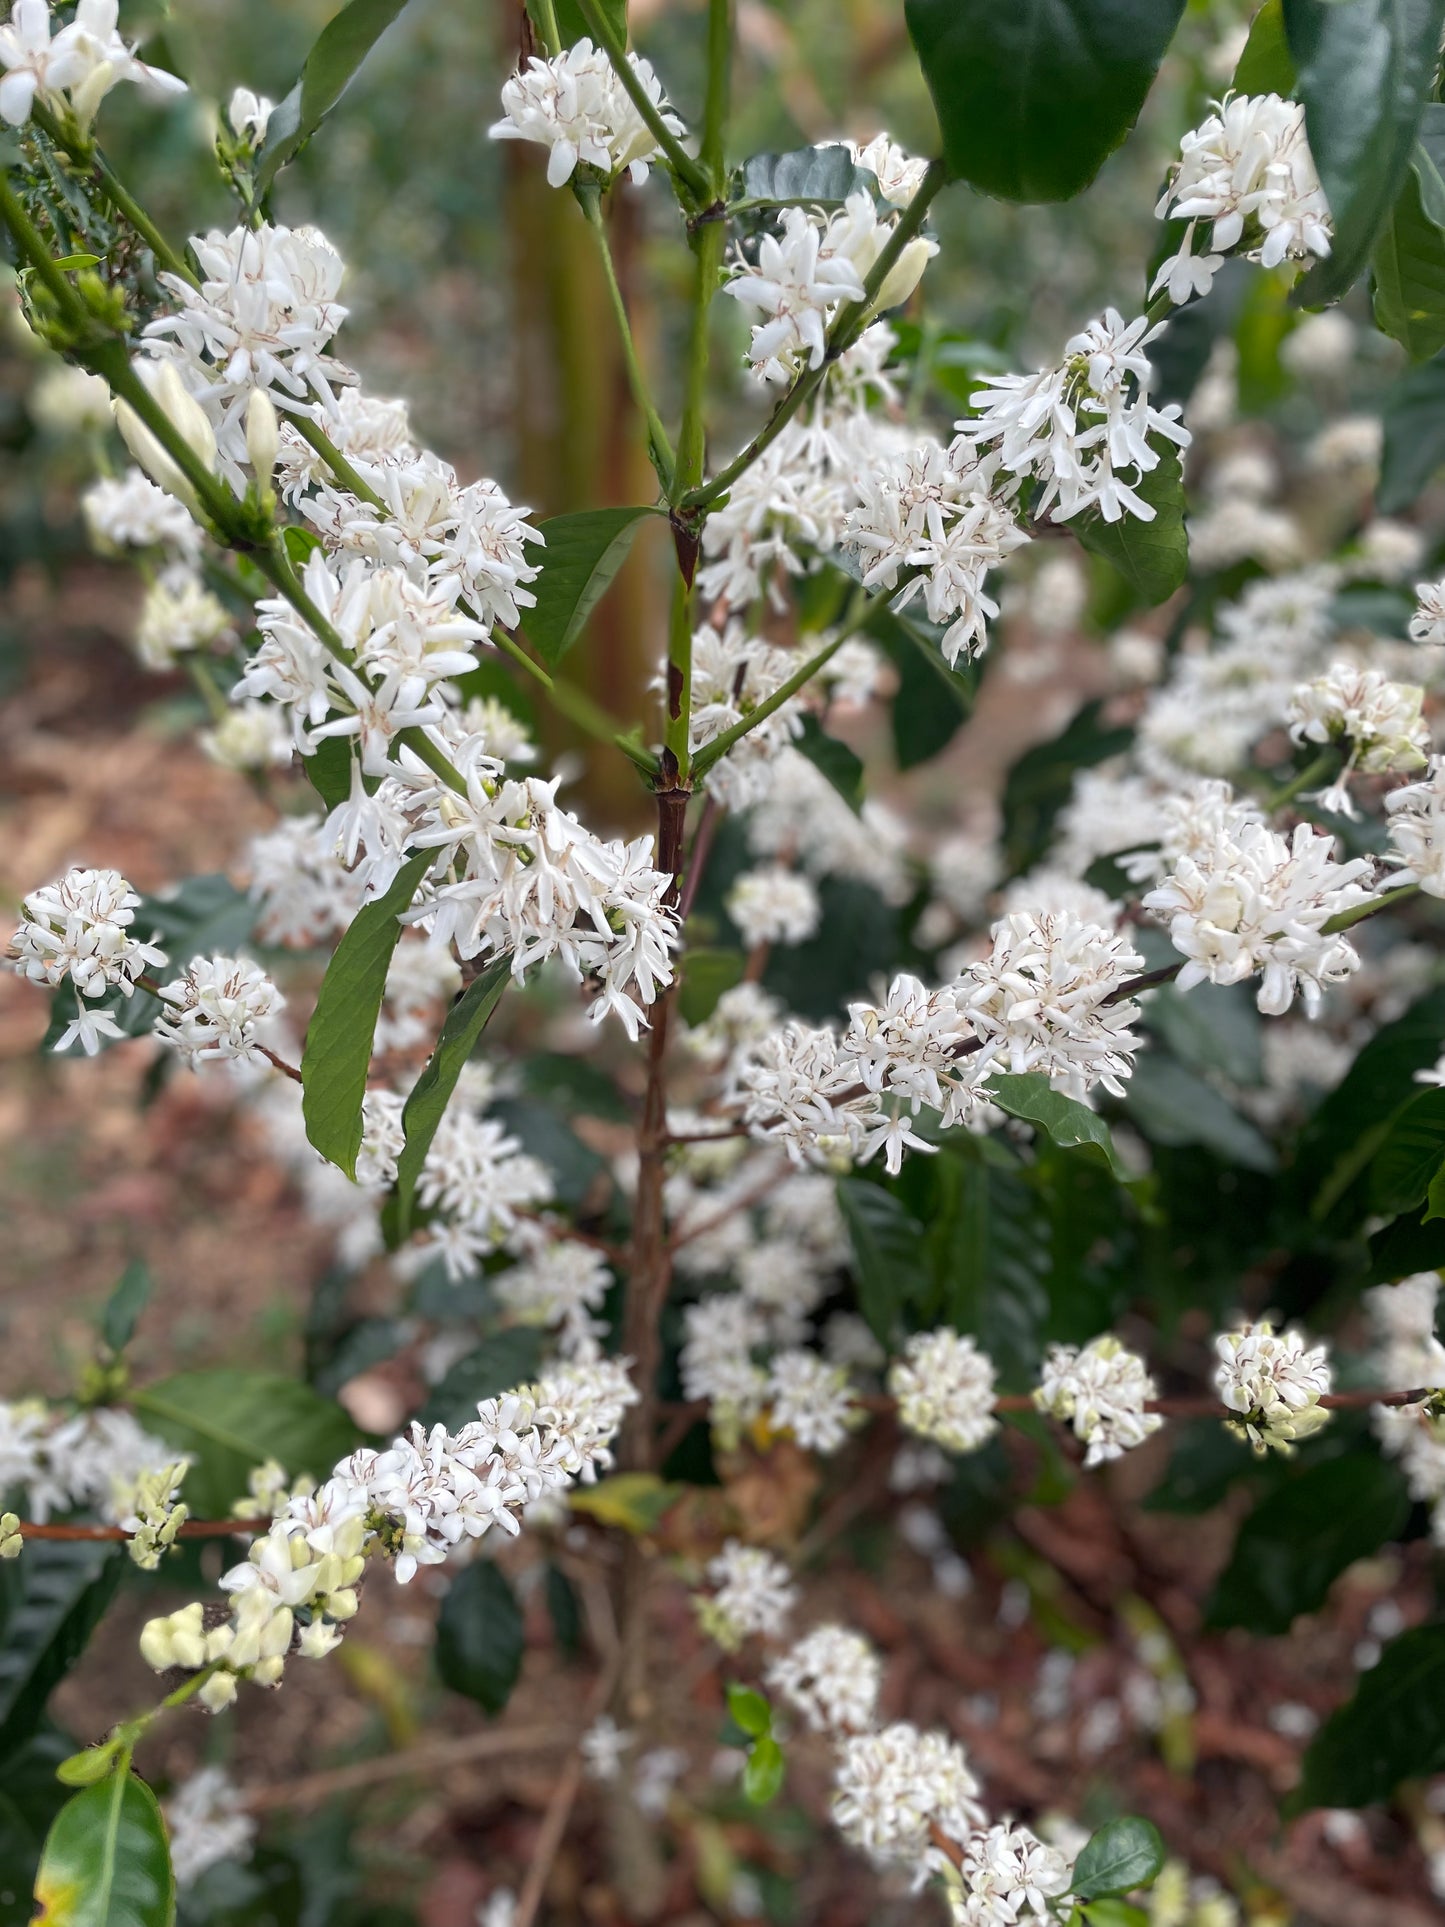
[
  {"x": 712, "y": 154},
  {"x": 576, "y": 705},
  {"x": 345, "y": 473},
  {"x": 847, "y": 326},
  {"x": 1347, "y": 919},
  {"x": 1322, "y": 766},
  {"x": 84, "y": 153},
  {"x": 605, "y": 36},
  {"x": 545, "y": 17},
  {"x": 711, "y": 752},
  {"x": 659, "y": 446}
]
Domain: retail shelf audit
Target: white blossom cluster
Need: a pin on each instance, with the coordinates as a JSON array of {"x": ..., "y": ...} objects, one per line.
[
  {"x": 1247, "y": 170},
  {"x": 1102, "y": 1391},
  {"x": 1379, "y": 720},
  {"x": 80, "y": 930},
  {"x": 412, "y": 1504},
  {"x": 1409, "y": 1357},
  {"x": 576, "y": 107},
  {"x": 1010, "y": 1875},
  {"x": 91, "y": 1460},
  {"x": 74, "y": 68},
  {"x": 831, "y": 1678},
  {"x": 894, "y": 1785},
  {"x": 1274, "y": 1381},
  {"x": 206, "y": 1822},
  {"x": 1416, "y": 824},
  {"x": 215, "y": 1010},
  {"x": 751, "y": 1595},
  {"x": 944, "y": 1386}
]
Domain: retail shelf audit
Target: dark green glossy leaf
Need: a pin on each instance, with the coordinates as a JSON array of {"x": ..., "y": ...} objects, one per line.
[
  {"x": 1172, "y": 1106},
  {"x": 806, "y": 177},
  {"x": 837, "y": 762},
  {"x": 51, "y": 1600},
  {"x": 572, "y": 25},
  {"x": 856, "y": 940},
  {"x": 426, "y": 1105},
  {"x": 583, "y": 553},
  {"x": 128, "y": 1299},
  {"x": 987, "y": 1248},
  {"x": 233, "y": 1420},
  {"x": 1392, "y": 1730},
  {"x": 1152, "y": 557},
  {"x": 1409, "y": 274},
  {"x": 1352, "y": 1122},
  {"x": 1265, "y": 66},
  {"x": 1414, "y": 421},
  {"x": 30, "y": 1798},
  {"x": 331, "y": 66},
  {"x": 764, "y": 1771},
  {"x": 1411, "y": 1154},
  {"x": 1213, "y": 1027},
  {"x": 564, "y": 1608},
  {"x": 1032, "y": 97},
  {"x": 1069, "y": 1123},
  {"x": 888, "y": 1259},
  {"x": 499, "y": 1364},
  {"x": 479, "y": 1636},
  {"x": 1297, "y": 1542},
  {"x": 932, "y": 701},
  {"x": 706, "y": 974},
  {"x": 1123, "y": 1854},
  {"x": 1365, "y": 70},
  {"x": 107, "y": 1862},
  {"x": 337, "y": 1057},
  {"x": 329, "y": 769},
  {"x": 1411, "y": 1243}
]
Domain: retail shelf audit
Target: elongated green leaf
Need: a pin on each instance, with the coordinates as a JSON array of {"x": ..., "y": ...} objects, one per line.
[
  {"x": 1412, "y": 1153},
  {"x": 1153, "y": 557},
  {"x": 987, "y": 1249},
  {"x": 479, "y": 1636},
  {"x": 1409, "y": 273},
  {"x": 1265, "y": 66},
  {"x": 749, "y": 1710},
  {"x": 502, "y": 1362},
  {"x": 1173, "y": 1106},
  {"x": 572, "y": 24},
  {"x": 887, "y": 1252},
  {"x": 932, "y": 701},
  {"x": 1213, "y": 1027},
  {"x": 232, "y": 1420},
  {"x": 432, "y": 1092},
  {"x": 330, "y": 68},
  {"x": 706, "y": 974},
  {"x": 1365, "y": 69},
  {"x": 837, "y": 762},
  {"x": 1414, "y": 422},
  {"x": 1392, "y": 1730},
  {"x": 131, "y": 1295},
  {"x": 1032, "y": 97},
  {"x": 1124, "y": 1854},
  {"x": 584, "y": 552},
  {"x": 1297, "y": 1542},
  {"x": 328, "y": 769},
  {"x": 1069, "y": 1123},
  {"x": 1352, "y": 1123},
  {"x": 107, "y": 1862},
  {"x": 807, "y": 176},
  {"x": 342, "y": 1030},
  {"x": 51, "y": 1600},
  {"x": 1412, "y": 1243},
  {"x": 1427, "y": 163},
  {"x": 764, "y": 1771}
]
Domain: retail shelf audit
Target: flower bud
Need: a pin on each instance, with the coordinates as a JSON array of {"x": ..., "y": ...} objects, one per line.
[
  {"x": 905, "y": 274},
  {"x": 218, "y": 1693},
  {"x": 263, "y": 436},
  {"x": 267, "y": 1672},
  {"x": 10, "y": 1539},
  {"x": 185, "y": 414},
  {"x": 86, "y": 98},
  {"x": 318, "y": 1639},
  {"x": 155, "y": 1644}
]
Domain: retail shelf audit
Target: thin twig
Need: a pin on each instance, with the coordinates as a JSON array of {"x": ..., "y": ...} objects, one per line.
[{"x": 417, "y": 1759}]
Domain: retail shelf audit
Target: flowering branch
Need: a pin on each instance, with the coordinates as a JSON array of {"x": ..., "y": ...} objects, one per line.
[
  {"x": 85, "y": 153},
  {"x": 725, "y": 739},
  {"x": 599, "y": 25}
]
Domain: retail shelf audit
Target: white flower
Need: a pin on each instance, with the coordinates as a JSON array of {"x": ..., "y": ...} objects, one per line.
[
  {"x": 68, "y": 401},
  {"x": 751, "y": 1593},
  {"x": 249, "y": 115},
  {"x": 1048, "y": 999},
  {"x": 80, "y": 928},
  {"x": 1416, "y": 825},
  {"x": 132, "y": 512},
  {"x": 831, "y": 1677},
  {"x": 899, "y": 175},
  {"x": 945, "y": 1390},
  {"x": 179, "y": 614},
  {"x": 1388, "y": 551},
  {"x": 1247, "y": 170},
  {"x": 206, "y": 1822},
  {"x": 216, "y": 1010},
  {"x": 774, "y": 906},
  {"x": 84, "y": 60},
  {"x": 1379, "y": 718},
  {"x": 720, "y": 1335},
  {"x": 604, "y": 1746},
  {"x": 576, "y": 107},
  {"x": 1256, "y": 901},
  {"x": 1101, "y": 1391},
  {"x": 1408, "y": 1355},
  {"x": 811, "y": 1399},
  {"x": 893, "y": 1786},
  {"x": 561, "y": 1285},
  {"x": 251, "y": 736},
  {"x": 1428, "y": 622},
  {"x": 1015, "y": 1874},
  {"x": 1321, "y": 346},
  {"x": 1275, "y": 1382}
]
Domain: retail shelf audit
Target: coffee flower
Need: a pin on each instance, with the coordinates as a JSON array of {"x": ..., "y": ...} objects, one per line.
[
  {"x": 1101, "y": 1391},
  {"x": 752, "y": 1593},
  {"x": 1274, "y": 1381},
  {"x": 80, "y": 928},
  {"x": 577, "y": 108},
  {"x": 831, "y": 1678},
  {"x": 1416, "y": 823},
  {"x": 944, "y": 1386},
  {"x": 215, "y": 1011}
]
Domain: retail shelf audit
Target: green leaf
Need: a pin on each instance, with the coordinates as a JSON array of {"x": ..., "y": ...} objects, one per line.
[
  {"x": 1412, "y": 1153},
  {"x": 479, "y": 1636},
  {"x": 1365, "y": 71},
  {"x": 432, "y": 1091},
  {"x": 1212, "y": 1027},
  {"x": 1152, "y": 557},
  {"x": 631, "y": 1501},
  {"x": 988, "y": 1254},
  {"x": 842, "y": 768},
  {"x": 763, "y": 1773},
  {"x": 564, "y": 1609},
  {"x": 1123, "y": 1854},
  {"x": 329, "y": 769},
  {"x": 1114, "y": 1913},
  {"x": 888, "y": 1259},
  {"x": 1413, "y": 1243},
  {"x": 572, "y": 26},
  {"x": 749, "y": 1709},
  {"x": 584, "y": 552},
  {"x": 932, "y": 702},
  {"x": 1069, "y": 1123},
  {"x": 1409, "y": 271},
  {"x": 501, "y": 1363},
  {"x": 331, "y": 66},
  {"x": 807, "y": 177},
  {"x": 337, "y": 1057},
  {"x": 129, "y": 1298},
  {"x": 107, "y": 1862},
  {"x": 1414, "y": 423},
  {"x": 1297, "y": 1542},
  {"x": 51, "y": 1600},
  {"x": 706, "y": 974},
  {"x": 1392, "y": 1730},
  {"x": 233, "y": 1420},
  {"x": 1033, "y": 96},
  {"x": 1353, "y": 1121},
  {"x": 1172, "y": 1106},
  {"x": 1265, "y": 66}
]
